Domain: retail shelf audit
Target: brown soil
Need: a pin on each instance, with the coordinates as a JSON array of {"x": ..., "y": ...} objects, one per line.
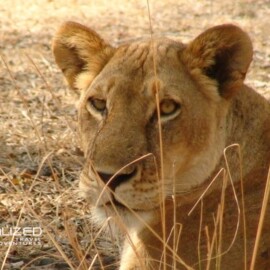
[{"x": 39, "y": 155}]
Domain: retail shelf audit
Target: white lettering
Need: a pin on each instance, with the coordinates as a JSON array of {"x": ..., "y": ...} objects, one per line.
[
  {"x": 17, "y": 231},
  {"x": 21, "y": 231},
  {"x": 37, "y": 231}
]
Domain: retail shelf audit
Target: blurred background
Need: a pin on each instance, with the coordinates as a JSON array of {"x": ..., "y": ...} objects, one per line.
[{"x": 40, "y": 158}]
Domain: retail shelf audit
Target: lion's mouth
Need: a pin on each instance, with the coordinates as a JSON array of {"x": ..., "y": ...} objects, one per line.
[{"x": 115, "y": 203}]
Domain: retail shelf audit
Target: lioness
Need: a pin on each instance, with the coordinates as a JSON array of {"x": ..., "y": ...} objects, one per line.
[{"x": 154, "y": 119}]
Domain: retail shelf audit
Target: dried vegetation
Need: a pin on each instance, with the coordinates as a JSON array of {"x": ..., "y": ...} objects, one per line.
[{"x": 39, "y": 152}]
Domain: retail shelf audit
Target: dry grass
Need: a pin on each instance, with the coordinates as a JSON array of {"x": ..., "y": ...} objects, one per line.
[{"x": 39, "y": 155}]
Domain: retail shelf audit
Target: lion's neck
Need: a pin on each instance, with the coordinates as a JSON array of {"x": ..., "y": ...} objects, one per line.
[
  {"x": 248, "y": 124},
  {"x": 248, "y": 129}
]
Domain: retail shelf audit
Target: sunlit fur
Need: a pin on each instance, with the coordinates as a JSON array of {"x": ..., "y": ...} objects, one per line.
[{"x": 171, "y": 159}]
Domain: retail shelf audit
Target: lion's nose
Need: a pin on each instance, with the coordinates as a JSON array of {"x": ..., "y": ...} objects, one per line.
[{"x": 114, "y": 180}]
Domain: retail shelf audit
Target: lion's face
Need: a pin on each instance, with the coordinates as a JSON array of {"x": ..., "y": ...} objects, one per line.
[
  {"x": 119, "y": 124},
  {"x": 151, "y": 115}
]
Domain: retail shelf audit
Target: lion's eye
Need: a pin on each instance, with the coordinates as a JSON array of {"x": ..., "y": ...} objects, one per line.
[
  {"x": 96, "y": 104},
  {"x": 169, "y": 107}
]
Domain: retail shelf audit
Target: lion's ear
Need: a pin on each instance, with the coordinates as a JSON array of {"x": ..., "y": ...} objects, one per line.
[
  {"x": 222, "y": 53},
  {"x": 79, "y": 50}
]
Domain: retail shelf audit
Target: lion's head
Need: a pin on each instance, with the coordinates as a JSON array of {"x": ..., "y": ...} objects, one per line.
[{"x": 152, "y": 114}]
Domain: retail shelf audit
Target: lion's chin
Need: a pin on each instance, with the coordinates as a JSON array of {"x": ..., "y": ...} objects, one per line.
[{"x": 120, "y": 218}]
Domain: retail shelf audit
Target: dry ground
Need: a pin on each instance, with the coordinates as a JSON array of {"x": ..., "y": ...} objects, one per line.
[{"x": 39, "y": 155}]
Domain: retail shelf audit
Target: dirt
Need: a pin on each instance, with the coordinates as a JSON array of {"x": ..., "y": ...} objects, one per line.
[{"x": 40, "y": 158}]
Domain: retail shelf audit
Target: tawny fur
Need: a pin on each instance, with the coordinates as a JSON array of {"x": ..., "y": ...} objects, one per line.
[{"x": 214, "y": 109}]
